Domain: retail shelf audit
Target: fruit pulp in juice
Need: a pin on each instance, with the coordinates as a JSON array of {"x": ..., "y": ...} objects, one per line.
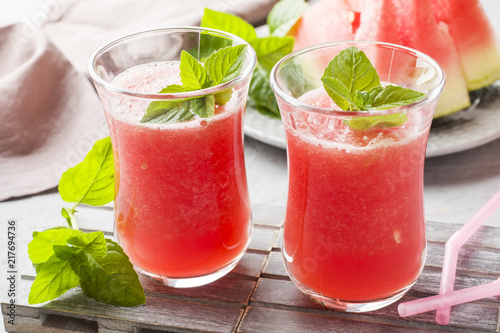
[
  {"x": 182, "y": 206},
  {"x": 354, "y": 227}
]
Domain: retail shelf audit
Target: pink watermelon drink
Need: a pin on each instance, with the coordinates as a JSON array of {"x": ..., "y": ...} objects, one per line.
[
  {"x": 182, "y": 211},
  {"x": 354, "y": 232}
]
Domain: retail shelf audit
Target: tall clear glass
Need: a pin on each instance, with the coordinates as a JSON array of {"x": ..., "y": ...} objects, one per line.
[
  {"x": 354, "y": 231},
  {"x": 181, "y": 210}
]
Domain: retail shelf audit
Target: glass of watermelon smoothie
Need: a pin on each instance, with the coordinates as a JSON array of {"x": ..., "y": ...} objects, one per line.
[
  {"x": 181, "y": 210},
  {"x": 354, "y": 229}
]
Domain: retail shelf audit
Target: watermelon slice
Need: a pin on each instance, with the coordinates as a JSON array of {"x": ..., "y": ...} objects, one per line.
[
  {"x": 474, "y": 37},
  {"x": 419, "y": 30},
  {"x": 468, "y": 52},
  {"x": 326, "y": 21}
]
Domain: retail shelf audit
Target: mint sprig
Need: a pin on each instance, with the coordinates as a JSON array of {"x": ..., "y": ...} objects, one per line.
[
  {"x": 354, "y": 85},
  {"x": 65, "y": 258},
  {"x": 269, "y": 49},
  {"x": 221, "y": 66}
]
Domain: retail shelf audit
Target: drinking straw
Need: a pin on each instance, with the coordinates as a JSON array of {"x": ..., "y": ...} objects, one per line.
[
  {"x": 452, "y": 247},
  {"x": 452, "y": 298}
]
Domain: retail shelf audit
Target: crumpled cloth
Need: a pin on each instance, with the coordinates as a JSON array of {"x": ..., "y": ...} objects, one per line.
[{"x": 50, "y": 114}]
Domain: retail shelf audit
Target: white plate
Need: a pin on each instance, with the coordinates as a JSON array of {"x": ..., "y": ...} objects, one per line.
[{"x": 463, "y": 130}]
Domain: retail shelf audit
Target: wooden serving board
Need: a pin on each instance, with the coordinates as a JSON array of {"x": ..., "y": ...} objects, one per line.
[{"x": 258, "y": 296}]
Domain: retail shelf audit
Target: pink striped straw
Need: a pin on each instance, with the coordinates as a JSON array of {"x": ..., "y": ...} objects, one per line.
[
  {"x": 447, "y": 297},
  {"x": 452, "y": 247}
]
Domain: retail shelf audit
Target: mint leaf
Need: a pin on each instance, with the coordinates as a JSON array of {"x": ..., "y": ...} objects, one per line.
[
  {"x": 389, "y": 120},
  {"x": 340, "y": 94},
  {"x": 354, "y": 85},
  {"x": 204, "y": 106},
  {"x": 53, "y": 279},
  {"x": 110, "y": 279},
  {"x": 224, "y": 96},
  {"x": 92, "y": 243},
  {"x": 261, "y": 96},
  {"x": 193, "y": 74},
  {"x": 221, "y": 66},
  {"x": 179, "y": 113},
  {"x": 41, "y": 247},
  {"x": 381, "y": 98},
  {"x": 354, "y": 70},
  {"x": 91, "y": 181},
  {"x": 271, "y": 49},
  {"x": 225, "y": 64},
  {"x": 229, "y": 23},
  {"x": 171, "y": 89},
  {"x": 284, "y": 15}
]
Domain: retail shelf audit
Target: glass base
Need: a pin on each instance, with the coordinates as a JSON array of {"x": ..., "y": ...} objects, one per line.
[
  {"x": 351, "y": 306},
  {"x": 192, "y": 281}
]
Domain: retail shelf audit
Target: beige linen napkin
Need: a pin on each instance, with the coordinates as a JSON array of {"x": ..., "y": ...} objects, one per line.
[
  {"x": 49, "y": 117},
  {"x": 86, "y": 25},
  {"x": 50, "y": 114}
]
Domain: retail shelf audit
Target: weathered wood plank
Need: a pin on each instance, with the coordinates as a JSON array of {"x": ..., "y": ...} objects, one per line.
[
  {"x": 260, "y": 320},
  {"x": 470, "y": 260},
  {"x": 262, "y": 239},
  {"x": 280, "y": 294},
  {"x": 274, "y": 266},
  {"x": 487, "y": 237},
  {"x": 157, "y": 313},
  {"x": 268, "y": 215},
  {"x": 250, "y": 265},
  {"x": 236, "y": 291}
]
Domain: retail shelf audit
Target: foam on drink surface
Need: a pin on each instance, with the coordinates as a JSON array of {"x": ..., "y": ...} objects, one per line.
[
  {"x": 150, "y": 78},
  {"x": 332, "y": 132}
]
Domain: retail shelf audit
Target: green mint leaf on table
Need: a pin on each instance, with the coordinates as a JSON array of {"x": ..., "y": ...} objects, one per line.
[
  {"x": 229, "y": 23},
  {"x": 92, "y": 243},
  {"x": 65, "y": 258},
  {"x": 270, "y": 50},
  {"x": 284, "y": 15},
  {"x": 354, "y": 85},
  {"x": 113, "y": 279},
  {"x": 221, "y": 66},
  {"x": 90, "y": 182},
  {"x": 40, "y": 249},
  {"x": 53, "y": 279}
]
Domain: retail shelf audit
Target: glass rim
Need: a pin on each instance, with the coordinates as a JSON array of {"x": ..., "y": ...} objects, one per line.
[
  {"x": 433, "y": 93},
  {"x": 245, "y": 72}
]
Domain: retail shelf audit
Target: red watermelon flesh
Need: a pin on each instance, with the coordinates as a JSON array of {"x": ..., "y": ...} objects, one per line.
[
  {"x": 418, "y": 29},
  {"x": 377, "y": 23},
  {"x": 474, "y": 37},
  {"x": 326, "y": 21}
]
